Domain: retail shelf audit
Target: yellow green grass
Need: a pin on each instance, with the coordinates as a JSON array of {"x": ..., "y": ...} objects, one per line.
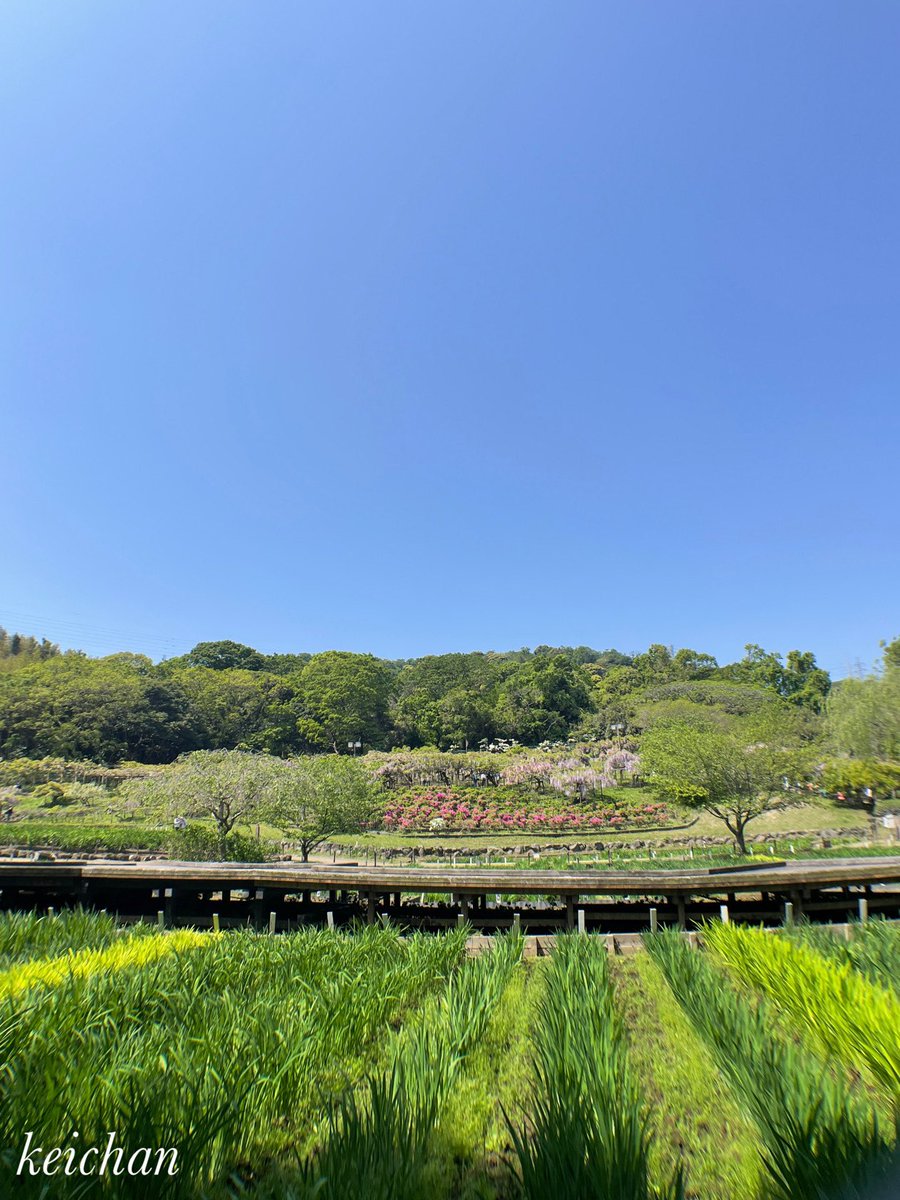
[
  {"x": 848, "y": 1015},
  {"x": 133, "y": 952}
]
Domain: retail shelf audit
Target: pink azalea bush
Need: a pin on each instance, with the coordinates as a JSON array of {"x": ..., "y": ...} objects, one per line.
[{"x": 445, "y": 810}]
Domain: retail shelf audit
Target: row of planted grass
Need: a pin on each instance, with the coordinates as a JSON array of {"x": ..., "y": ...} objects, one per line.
[
  {"x": 135, "y": 951},
  {"x": 841, "y": 1011},
  {"x": 30, "y": 935},
  {"x": 695, "y": 1119},
  {"x": 872, "y": 947},
  {"x": 587, "y": 1133},
  {"x": 232, "y": 1052},
  {"x": 382, "y": 1136},
  {"x": 820, "y": 1134}
]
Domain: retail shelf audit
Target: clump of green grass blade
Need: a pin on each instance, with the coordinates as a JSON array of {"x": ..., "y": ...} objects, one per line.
[
  {"x": 873, "y": 948},
  {"x": 850, "y": 1017},
  {"x": 380, "y": 1134},
  {"x": 820, "y": 1140},
  {"x": 227, "y": 1053},
  {"x": 586, "y": 1136},
  {"x": 469, "y": 1158},
  {"x": 25, "y": 936}
]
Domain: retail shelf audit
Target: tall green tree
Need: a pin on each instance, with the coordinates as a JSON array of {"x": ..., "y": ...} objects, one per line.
[
  {"x": 224, "y": 656},
  {"x": 315, "y": 798},
  {"x": 862, "y": 715},
  {"x": 735, "y": 774},
  {"x": 799, "y": 680},
  {"x": 105, "y": 709},
  {"x": 340, "y": 698},
  {"x": 230, "y": 787},
  {"x": 238, "y": 709},
  {"x": 542, "y": 700}
]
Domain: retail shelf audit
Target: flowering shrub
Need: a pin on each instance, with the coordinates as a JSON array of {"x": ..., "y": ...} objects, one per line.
[{"x": 446, "y": 810}]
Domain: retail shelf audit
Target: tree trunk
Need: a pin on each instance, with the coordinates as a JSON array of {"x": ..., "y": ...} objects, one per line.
[{"x": 739, "y": 838}]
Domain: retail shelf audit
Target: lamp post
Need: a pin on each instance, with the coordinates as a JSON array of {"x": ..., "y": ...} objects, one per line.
[{"x": 354, "y": 748}]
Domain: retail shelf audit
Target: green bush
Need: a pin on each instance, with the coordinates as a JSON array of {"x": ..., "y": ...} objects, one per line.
[
  {"x": 51, "y": 795},
  {"x": 200, "y": 843}
]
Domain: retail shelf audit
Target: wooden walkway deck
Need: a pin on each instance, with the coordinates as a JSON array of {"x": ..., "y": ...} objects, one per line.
[{"x": 429, "y": 897}]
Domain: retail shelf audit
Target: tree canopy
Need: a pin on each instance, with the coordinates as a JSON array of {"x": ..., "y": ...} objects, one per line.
[
  {"x": 225, "y": 695},
  {"x": 735, "y": 773}
]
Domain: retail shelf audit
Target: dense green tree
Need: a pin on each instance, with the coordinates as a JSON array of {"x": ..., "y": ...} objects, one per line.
[
  {"x": 17, "y": 649},
  {"x": 799, "y": 680},
  {"x": 655, "y": 665},
  {"x": 286, "y": 664},
  {"x": 891, "y": 654},
  {"x": 224, "y": 656},
  {"x": 735, "y": 773},
  {"x": 447, "y": 699},
  {"x": 342, "y": 697},
  {"x": 692, "y": 664},
  {"x": 542, "y": 700},
  {"x": 315, "y": 798},
  {"x": 863, "y": 715},
  {"x": 239, "y": 709},
  {"x": 102, "y": 709}
]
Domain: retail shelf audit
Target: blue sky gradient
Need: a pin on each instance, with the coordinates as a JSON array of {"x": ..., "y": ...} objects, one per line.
[{"x": 421, "y": 327}]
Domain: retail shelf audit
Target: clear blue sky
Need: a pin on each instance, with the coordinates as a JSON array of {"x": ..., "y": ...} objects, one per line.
[{"x": 412, "y": 327}]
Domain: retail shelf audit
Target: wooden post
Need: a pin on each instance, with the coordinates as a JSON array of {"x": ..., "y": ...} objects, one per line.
[
  {"x": 570, "y": 912},
  {"x": 272, "y": 922},
  {"x": 517, "y": 923},
  {"x": 463, "y": 909},
  {"x": 370, "y": 908},
  {"x": 788, "y": 913},
  {"x": 654, "y": 922},
  {"x": 682, "y": 913},
  {"x": 215, "y": 917},
  {"x": 581, "y": 924},
  {"x": 329, "y": 920},
  {"x": 863, "y": 910},
  {"x": 161, "y": 918},
  {"x": 51, "y": 911},
  {"x": 723, "y": 913},
  {"x": 257, "y": 908}
]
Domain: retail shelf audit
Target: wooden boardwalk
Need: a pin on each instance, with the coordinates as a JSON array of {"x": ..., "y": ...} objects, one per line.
[{"x": 429, "y": 897}]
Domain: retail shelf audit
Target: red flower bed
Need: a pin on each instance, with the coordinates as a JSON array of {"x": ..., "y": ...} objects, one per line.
[{"x": 437, "y": 810}]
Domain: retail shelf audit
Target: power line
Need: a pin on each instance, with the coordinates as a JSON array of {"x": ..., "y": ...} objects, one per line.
[{"x": 71, "y": 631}]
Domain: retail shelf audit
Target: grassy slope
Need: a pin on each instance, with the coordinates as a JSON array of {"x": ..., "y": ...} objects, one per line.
[{"x": 693, "y": 1113}]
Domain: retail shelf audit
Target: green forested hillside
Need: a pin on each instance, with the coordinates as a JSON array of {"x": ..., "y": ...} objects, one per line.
[{"x": 226, "y": 695}]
